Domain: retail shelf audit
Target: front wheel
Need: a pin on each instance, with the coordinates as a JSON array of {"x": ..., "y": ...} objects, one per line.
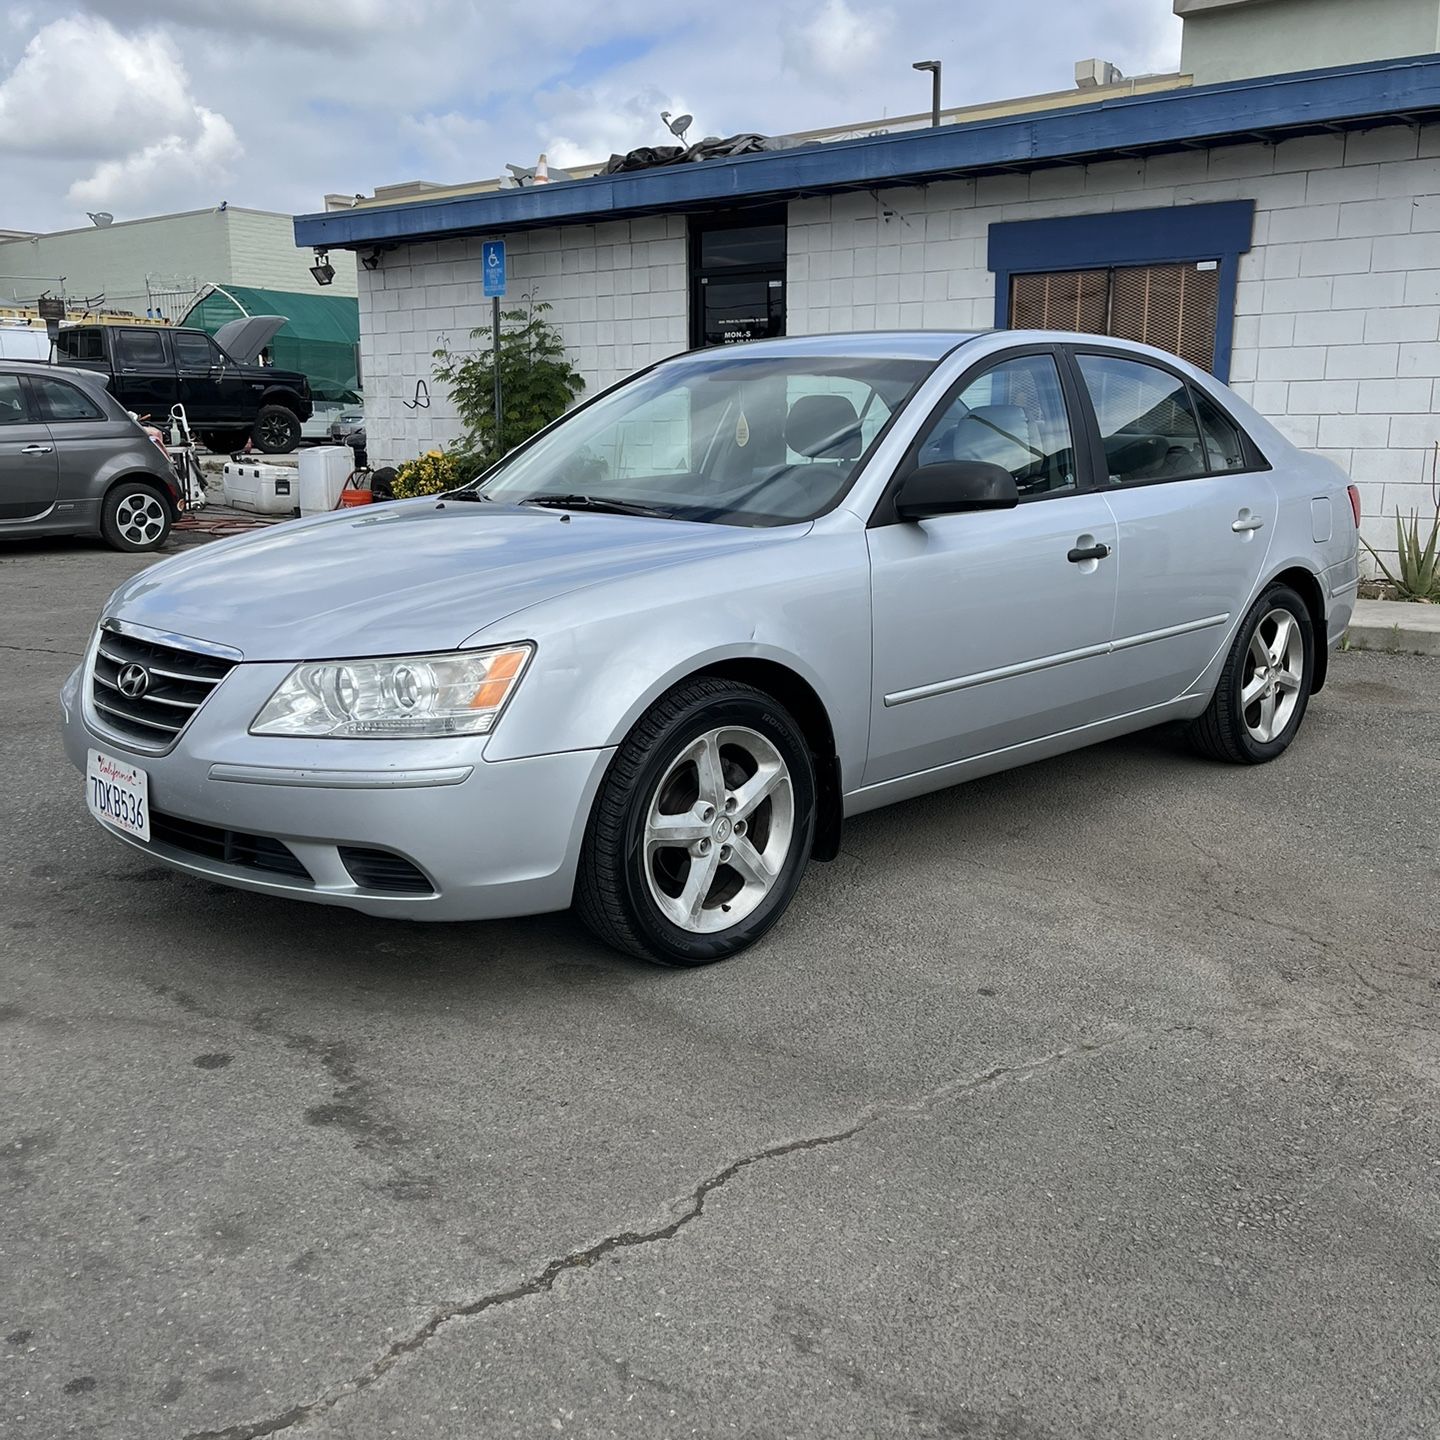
[
  {"x": 1265, "y": 686},
  {"x": 277, "y": 431},
  {"x": 702, "y": 828},
  {"x": 135, "y": 516}
]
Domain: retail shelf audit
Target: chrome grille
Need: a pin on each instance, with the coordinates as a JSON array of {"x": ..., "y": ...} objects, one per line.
[{"x": 177, "y": 681}]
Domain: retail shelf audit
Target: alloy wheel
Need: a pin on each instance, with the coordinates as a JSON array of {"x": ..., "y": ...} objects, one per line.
[
  {"x": 140, "y": 518},
  {"x": 718, "y": 829},
  {"x": 1273, "y": 674}
]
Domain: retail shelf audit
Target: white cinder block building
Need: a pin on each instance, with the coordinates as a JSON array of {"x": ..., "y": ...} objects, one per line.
[{"x": 1281, "y": 230}]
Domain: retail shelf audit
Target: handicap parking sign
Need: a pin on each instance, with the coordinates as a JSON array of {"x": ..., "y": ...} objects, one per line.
[{"x": 492, "y": 259}]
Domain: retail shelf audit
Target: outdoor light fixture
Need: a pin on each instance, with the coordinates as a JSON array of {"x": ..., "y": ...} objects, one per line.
[
  {"x": 322, "y": 269},
  {"x": 370, "y": 262},
  {"x": 933, "y": 66}
]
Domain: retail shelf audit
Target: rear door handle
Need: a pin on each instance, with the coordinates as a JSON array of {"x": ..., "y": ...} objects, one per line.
[
  {"x": 1246, "y": 522},
  {"x": 37, "y": 449},
  {"x": 1079, "y": 554}
]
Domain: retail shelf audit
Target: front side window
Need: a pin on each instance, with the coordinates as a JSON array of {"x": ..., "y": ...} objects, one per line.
[
  {"x": 60, "y": 401},
  {"x": 12, "y": 401},
  {"x": 1013, "y": 416},
  {"x": 140, "y": 347},
  {"x": 724, "y": 438},
  {"x": 194, "y": 351},
  {"x": 1146, "y": 423}
]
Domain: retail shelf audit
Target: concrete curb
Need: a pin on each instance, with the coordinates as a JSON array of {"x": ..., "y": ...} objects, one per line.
[{"x": 1397, "y": 627}]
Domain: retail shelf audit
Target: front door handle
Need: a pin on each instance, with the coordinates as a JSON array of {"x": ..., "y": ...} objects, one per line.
[
  {"x": 1079, "y": 554},
  {"x": 37, "y": 449},
  {"x": 1246, "y": 522}
]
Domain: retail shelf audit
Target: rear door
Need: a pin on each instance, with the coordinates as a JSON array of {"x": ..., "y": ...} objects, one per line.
[
  {"x": 145, "y": 379},
  {"x": 1195, "y": 513},
  {"x": 991, "y": 627},
  {"x": 29, "y": 474}
]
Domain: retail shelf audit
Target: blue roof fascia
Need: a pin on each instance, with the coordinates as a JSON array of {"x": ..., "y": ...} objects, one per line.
[{"x": 1163, "y": 119}]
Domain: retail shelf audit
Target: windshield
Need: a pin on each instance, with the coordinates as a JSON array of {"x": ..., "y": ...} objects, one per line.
[{"x": 761, "y": 440}]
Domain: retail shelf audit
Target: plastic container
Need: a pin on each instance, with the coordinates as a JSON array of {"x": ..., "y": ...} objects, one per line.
[
  {"x": 265, "y": 489},
  {"x": 355, "y": 497},
  {"x": 324, "y": 469}
]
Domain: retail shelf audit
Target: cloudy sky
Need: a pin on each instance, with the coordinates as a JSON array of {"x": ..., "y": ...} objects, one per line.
[{"x": 144, "y": 106}]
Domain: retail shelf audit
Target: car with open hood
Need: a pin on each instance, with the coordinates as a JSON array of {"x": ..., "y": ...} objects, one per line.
[{"x": 651, "y": 662}]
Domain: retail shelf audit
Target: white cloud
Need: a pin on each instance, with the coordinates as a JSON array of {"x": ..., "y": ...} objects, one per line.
[
  {"x": 335, "y": 21},
  {"x": 836, "y": 41},
  {"x": 173, "y": 172}
]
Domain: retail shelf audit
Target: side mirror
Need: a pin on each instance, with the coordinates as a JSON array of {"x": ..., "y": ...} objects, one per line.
[{"x": 954, "y": 486}]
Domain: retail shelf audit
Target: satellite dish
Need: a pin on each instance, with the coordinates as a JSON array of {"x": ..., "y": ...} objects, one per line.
[
  {"x": 102, "y": 218},
  {"x": 679, "y": 125}
]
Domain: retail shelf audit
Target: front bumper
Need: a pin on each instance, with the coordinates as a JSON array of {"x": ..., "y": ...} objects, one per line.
[{"x": 492, "y": 838}]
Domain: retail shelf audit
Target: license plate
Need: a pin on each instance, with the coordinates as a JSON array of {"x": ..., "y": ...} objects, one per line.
[{"x": 118, "y": 794}]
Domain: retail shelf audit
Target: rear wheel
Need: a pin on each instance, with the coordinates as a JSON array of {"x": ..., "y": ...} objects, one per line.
[
  {"x": 1265, "y": 686},
  {"x": 702, "y": 828},
  {"x": 276, "y": 430},
  {"x": 135, "y": 516}
]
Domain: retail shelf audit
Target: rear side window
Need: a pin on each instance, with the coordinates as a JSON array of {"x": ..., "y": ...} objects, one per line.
[
  {"x": 81, "y": 345},
  {"x": 140, "y": 347},
  {"x": 1223, "y": 445},
  {"x": 12, "y": 401},
  {"x": 1146, "y": 423},
  {"x": 59, "y": 401}
]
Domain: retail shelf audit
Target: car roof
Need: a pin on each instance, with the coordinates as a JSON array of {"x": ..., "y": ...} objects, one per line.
[{"x": 881, "y": 344}]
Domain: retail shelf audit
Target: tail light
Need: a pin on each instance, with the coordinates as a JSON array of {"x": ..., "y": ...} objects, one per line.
[{"x": 1354, "y": 495}]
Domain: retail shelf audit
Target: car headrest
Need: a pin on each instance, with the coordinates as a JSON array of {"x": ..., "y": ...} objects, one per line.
[
  {"x": 824, "y": 427},
  {"x": 999, "y": 434}
]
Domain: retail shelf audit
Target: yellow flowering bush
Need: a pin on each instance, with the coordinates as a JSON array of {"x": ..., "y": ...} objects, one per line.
[{"x": 433, "y": 472}]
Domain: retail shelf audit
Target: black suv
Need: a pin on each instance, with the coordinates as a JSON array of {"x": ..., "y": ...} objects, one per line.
[{"x": 226, "y": 401}]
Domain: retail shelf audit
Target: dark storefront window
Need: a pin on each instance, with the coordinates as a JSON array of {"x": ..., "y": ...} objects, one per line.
[{"x": 737, "y": 275}]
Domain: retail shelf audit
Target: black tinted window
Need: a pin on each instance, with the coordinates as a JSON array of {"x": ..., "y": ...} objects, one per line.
[
  {"x": 12, "y": 401},
  {"x": 194, "y": 350},
  {"x": 747, "y": 246},
  {"x": 60, "y": 401},
  {"x": 81, "y": 345},
  {"x": 1146, "y": 423},
  {"x": 140, "y": 347},
  {"x": 1223, "y": 445}
]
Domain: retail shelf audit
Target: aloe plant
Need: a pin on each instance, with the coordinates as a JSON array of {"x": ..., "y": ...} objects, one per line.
[{"x": 1417, "y": 561}]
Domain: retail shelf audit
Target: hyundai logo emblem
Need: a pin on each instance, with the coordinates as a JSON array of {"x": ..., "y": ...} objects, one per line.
[{"x": 134, "y": 681}]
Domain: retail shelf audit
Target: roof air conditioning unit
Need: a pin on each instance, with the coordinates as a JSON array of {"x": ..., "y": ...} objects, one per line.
[{"x": 1089, "y": 74}]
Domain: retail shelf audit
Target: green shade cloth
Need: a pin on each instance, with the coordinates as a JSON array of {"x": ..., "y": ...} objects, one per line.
[{"x": 320, "y": 337}]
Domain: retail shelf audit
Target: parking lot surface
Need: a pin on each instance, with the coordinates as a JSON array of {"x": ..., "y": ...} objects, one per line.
[{"x": 1094, "y": 1100}]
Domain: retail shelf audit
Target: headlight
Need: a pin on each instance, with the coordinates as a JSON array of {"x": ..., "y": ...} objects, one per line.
[{"x": 414, "y": 696}]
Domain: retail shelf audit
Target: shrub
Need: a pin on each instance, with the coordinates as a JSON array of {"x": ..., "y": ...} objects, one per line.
[
  {"x": 537, "y": 380},
  {"x": 433, "y": 472}
]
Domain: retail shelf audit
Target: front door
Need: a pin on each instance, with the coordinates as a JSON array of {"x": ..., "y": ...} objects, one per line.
[
  {"x": 212, "y": 389},
  {"x": 145, "y": 380},
  {"x": 991, "y": 628},
  {"x": 1195, "y": 512},
  {"x": 29, "y": 471}
]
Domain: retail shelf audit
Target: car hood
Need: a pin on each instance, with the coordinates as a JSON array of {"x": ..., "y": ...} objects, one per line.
[{"x": 404, "y": 578}]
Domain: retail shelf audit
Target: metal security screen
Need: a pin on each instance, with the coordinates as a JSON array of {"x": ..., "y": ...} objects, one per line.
[{"x": 1170, "y": 306}]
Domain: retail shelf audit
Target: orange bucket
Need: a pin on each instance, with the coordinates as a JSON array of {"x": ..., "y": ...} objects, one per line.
[{"x": 355, "y": 497}]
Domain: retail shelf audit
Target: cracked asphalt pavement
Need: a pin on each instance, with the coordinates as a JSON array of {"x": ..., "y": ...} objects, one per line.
[{"x": 1094, "y": 1100}]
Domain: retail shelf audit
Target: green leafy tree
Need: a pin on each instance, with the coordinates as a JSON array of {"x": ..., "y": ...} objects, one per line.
[{"x": 537, "y": 380}]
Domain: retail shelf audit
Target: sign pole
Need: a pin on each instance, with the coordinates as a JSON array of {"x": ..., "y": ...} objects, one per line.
[{"x": 495, "y": 342}]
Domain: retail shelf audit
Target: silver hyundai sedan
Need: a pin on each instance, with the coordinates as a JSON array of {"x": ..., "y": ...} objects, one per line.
[{"x": 652, "y": 660}]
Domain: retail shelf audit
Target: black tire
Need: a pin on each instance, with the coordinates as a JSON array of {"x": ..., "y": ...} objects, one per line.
[
  {"x": 224, "y": 442},
  {"x": 135, "y": 516},
  {"x": 613, "y": 892},
  {"x": 276, "y": 430},
  {"x": 1222, "y": 732}
]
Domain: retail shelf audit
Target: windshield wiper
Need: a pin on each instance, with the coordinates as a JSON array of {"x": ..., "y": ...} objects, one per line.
[{"x": 598, "y": 503}]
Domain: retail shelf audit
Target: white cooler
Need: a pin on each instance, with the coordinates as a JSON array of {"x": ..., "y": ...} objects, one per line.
[
  {"x": 265, "y": 489},
  {"x": 324, "y": 470}
]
